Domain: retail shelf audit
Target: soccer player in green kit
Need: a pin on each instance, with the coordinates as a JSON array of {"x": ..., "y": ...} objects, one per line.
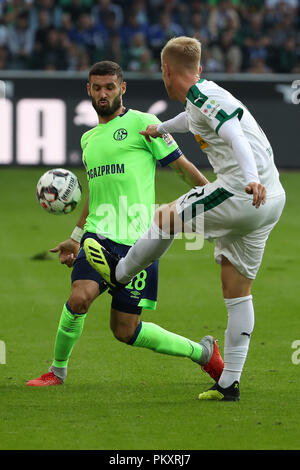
[{"x": 120, "y": 166}]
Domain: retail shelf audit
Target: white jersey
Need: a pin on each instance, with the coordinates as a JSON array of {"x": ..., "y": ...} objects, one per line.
[{"x": 207, "y": 107}]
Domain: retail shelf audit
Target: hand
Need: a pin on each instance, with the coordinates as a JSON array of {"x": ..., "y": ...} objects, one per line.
[
  {"x": 259, "y": 193},
  {"x": 68, "y": 251},
  {"x": 151, "y": 131}
]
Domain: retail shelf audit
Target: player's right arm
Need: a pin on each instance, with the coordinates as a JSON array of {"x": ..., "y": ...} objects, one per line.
[
  {"x": 177, "y": 124},
  {"x": 187, "y": 171},
  {"x": 183, "y": 167},
  {"x": 68, "y": 249}
]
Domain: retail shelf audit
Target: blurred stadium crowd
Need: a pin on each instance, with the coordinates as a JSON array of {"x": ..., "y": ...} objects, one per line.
[{"x": 254, "y": 36}]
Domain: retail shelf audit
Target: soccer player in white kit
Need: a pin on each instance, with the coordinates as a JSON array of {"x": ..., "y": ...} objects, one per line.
[{"x": 240, "y": 207}]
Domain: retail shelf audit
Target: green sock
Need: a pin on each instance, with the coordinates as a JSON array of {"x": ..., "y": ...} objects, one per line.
[
  {"x": 154, "y": 337},
  {"x": 69, "y": 330}
]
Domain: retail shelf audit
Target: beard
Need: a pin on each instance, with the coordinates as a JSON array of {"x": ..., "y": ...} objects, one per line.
[{"x": 109, "y": 108}]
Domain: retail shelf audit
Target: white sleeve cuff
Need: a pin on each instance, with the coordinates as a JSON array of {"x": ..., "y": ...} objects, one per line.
[{"x": 77, "y": 233}]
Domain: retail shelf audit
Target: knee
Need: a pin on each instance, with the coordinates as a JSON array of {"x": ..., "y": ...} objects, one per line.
[
  {"x": 167, "y": 219},
  {"x": 237, "y": 290},
  {"x": 234, "y": 284},
  {"x": 160, "y": 218},
  {"x": 123, "y": 333},
  {"x": 80, "y": 301},
  {"x": 227, "y": 290}
]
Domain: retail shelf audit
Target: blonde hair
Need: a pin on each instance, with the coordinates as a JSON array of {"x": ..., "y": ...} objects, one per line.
[{"x": 182, "y": 53}]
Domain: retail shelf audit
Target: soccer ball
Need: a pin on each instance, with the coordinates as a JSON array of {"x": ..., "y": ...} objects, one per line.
[{"x": 58, "y": 191}]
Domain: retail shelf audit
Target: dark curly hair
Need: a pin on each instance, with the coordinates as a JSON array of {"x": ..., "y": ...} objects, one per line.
[{"x": 106, "y": 67}]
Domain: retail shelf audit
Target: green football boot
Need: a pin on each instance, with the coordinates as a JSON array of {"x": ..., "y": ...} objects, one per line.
[
  {"x": 216, "y": 392},
  {"x": 102, "y": 261}
]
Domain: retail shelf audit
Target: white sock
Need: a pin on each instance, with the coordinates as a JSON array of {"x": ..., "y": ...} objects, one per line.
[
  {"x": 150, "y": 247},
  {"x": 237, "y": 338}
]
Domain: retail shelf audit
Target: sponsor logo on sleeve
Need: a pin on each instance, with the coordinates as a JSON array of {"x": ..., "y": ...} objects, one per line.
[
  {"x": 169, "y": 141},
  {"x": 210, "y": 108}
]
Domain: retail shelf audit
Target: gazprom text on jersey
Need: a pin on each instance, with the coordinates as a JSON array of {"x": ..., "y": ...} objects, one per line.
[{"x": 114, "y": 168}]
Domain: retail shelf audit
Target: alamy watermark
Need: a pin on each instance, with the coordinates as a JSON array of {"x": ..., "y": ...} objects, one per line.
[
  {"x": 126, "y": 222},
  {"x": 2, "y": 89},
  {"x": 296, "y": 354},
  {"x": 296, "y": 94},
  {"x": 2, "y": 352}
]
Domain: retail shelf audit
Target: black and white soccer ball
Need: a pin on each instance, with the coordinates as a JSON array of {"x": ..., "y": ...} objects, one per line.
[{"x": 58, "y": 191}]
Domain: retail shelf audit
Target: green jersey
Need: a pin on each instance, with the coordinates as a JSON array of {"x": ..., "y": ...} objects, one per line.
[{"x": 120, "y": 165}]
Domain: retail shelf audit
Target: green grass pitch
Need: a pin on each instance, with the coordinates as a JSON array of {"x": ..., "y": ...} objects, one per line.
[{"x": 119, "y": 397}]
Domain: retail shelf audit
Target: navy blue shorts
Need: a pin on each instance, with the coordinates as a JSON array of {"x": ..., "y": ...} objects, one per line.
[{"x": 140, "y": 293}]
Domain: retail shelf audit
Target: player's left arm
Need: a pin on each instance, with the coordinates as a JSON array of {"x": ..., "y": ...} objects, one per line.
[
  {"x": 223, "y": 116},
  {"x": 232, "y": 133},
  {"x": 188, "y": 172}
]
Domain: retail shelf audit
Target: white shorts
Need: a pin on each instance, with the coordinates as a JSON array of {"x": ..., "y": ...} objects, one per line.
[{"x": 238, "y": 228}]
